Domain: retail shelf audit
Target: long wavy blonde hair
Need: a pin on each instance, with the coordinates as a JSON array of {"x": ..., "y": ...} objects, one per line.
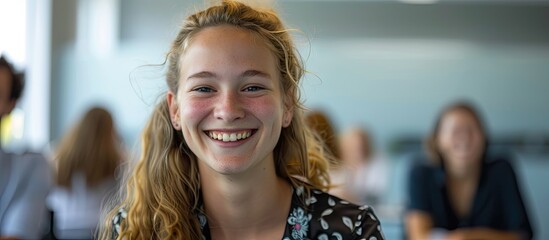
[{"x": 163, "y": 190}]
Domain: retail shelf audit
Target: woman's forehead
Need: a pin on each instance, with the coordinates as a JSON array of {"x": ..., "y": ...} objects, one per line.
[
  {"x": 226, "y": 48},
  {"x": 225, "y": 33}
]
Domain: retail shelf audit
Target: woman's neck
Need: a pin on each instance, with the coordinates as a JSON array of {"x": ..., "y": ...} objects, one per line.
[
  {"x": 247, "y": 204},
  {"x": 464, "y": 174},
  {"x": 462, "y": 189}
]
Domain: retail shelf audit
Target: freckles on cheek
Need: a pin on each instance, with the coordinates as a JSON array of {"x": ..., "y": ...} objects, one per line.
[
  {"x": 193, "y": 110},
  {"x": 266, "y": 107}
]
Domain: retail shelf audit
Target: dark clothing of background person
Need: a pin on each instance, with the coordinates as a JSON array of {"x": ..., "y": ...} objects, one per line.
[{"x": 497, "y": 203}]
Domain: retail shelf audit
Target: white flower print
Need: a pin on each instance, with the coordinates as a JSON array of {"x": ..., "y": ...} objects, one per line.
[
  {"x": 335, "y": 235},
  {"x": 299, "y": 191},
  {"x": 381, "y": 232},
  {"x": 331, "y": 202},
  {"x": 115, "y": 221},
  {"x": 348, "y": 222},
  {"x": 372, "y": 216},
  {"x": 122, "y": 214},
  {"x": 310, "y": 200},
  {"x": 327, "y": 212},
  {"x": 202, "y": 219},
  {"x": 323, "y": 222},
  {"x": 299, "y": 222}
]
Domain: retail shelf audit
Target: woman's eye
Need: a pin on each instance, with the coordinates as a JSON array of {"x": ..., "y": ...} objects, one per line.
[
  {"x": 252, "y": 89},
  {"x": 203, "y": 89}
]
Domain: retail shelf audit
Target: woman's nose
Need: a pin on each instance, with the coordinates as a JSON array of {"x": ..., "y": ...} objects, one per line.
[
  {"x": 229, "y": 108},
  {"x": 464, "y": 134}
]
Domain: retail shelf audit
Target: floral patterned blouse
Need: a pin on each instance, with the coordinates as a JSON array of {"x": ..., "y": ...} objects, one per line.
[{"x": 321, "y": 216}]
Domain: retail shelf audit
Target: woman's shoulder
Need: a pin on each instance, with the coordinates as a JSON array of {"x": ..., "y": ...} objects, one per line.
[
  {"x": 422, "y": 171},
  {"x": 501, "y": 173},
  {"x": 499, "y": 164},
  {"x": 333, "y": 218},
  {"x": 499, "y": 167}
]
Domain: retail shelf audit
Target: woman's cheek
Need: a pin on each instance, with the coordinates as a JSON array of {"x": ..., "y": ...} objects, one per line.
[
  {"x": 194, "y": 109},
  {"x": 264, "y": 107}
]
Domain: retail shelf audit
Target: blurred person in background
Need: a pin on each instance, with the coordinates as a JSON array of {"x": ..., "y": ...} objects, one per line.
[
  {"x": 321, "y": 126},
  {"x": 462, "y": 192},
  {"x": 25, "y": 179},
  {"x": 320, "y": 123},
  {"x": 368, "y": 172},
  {"x": 85, "y": 164}
]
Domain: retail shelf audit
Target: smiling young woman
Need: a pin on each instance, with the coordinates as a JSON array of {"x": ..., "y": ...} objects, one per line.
[{"x": 226, "y": 153}]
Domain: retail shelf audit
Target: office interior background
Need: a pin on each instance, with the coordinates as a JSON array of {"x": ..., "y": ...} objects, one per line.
[{"x": 389, "y": 66}]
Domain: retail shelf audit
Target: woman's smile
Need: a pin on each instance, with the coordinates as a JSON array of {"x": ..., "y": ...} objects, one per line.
[{"x": 230, "y": 135}]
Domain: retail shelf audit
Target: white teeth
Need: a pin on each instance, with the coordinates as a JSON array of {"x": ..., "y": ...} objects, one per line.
[{"x": 230, "y": 137}]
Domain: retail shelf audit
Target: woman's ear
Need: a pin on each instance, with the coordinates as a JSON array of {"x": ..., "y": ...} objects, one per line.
[
  {"x": 173, "y": 107},
  {"x": 287, "y": 118}
]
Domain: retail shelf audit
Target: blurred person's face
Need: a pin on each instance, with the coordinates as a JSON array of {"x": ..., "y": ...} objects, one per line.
[
  {"x": 6, "y": 104},
  {"x": 229, "y": 101},
  {"x": 352, "y": 148},
  {"x": 460, "y": 141}
]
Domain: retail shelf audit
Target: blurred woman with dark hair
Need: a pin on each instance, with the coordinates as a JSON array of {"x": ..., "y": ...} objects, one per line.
[
  {"x": 463, "y": 193},
  {"x": 24, "y": 178},
  {"x": 85, "y": 163}
]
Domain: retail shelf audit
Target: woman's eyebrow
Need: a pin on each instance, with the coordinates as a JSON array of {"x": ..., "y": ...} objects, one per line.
[
  {"x": 203, "y": 74},
  {"x": 245, "y": 74},
  {"x": 253, "y": 73}
]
